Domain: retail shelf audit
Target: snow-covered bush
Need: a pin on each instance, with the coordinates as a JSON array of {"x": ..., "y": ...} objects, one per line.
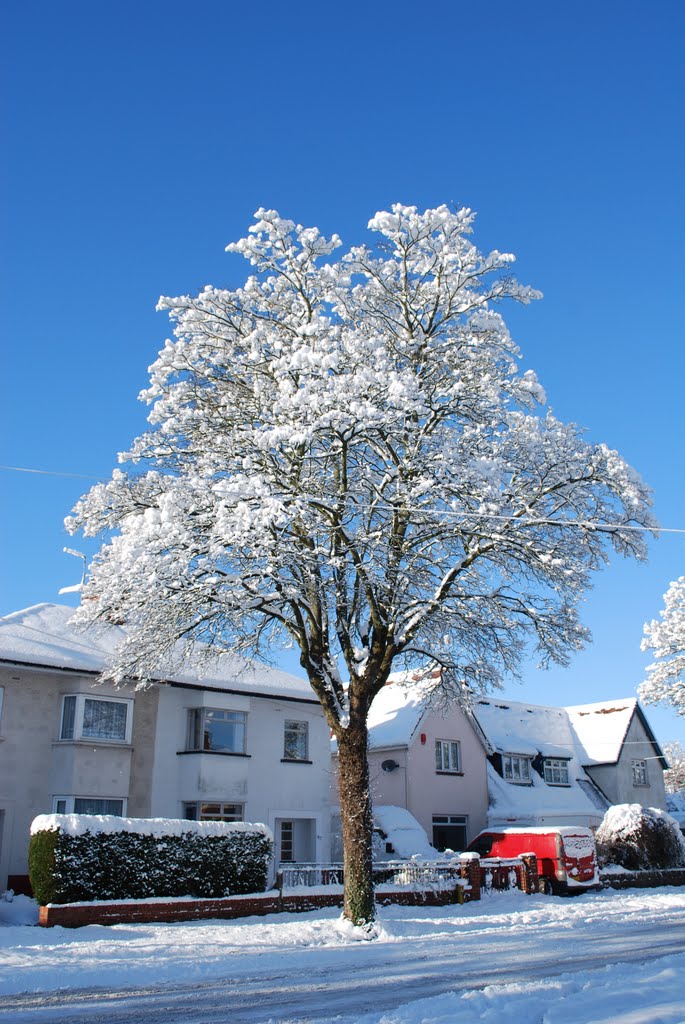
[
  {"x": 639, "y": 838},
  {"x": 75, "y": 857}
]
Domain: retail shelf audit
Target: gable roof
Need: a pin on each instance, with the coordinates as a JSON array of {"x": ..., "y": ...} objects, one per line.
[
  {"x": 43, "y": 636},
  {"x": 396, "y": 712},
  {"x": 602, "y": 729}
]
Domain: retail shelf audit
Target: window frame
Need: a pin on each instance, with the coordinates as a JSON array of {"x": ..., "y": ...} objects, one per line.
[
  {"x": 70, "y": 805},
  {"x": 453, "y": 747},
  {"x": 522, "y": 761},
  {"x": 302, "y": 726},
  {"x": 192, "y": 811},
  {"x": 286, "y": 841},
  {"x": 75, "y": 723},
  {"x": 196, "y": 731},
  {"x": 638, "y": 767},
  {"x": 550, "y": 765}
]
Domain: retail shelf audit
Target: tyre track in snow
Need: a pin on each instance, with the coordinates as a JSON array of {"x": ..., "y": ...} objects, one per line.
[{"x": 374, "y": 976}]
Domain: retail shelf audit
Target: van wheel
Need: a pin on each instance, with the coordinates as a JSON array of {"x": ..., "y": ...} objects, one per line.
[{"x": 545, "y": 886}]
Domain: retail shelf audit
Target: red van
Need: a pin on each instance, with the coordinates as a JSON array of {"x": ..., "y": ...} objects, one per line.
[{"x": 567, "y": 857}]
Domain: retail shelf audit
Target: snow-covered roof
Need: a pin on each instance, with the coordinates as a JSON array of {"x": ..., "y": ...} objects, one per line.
[
  {"x": 44, "y": 636},
  {"x": 601, "y": 728},
  {"x": 527, "y": 729},
  {"x": 399, "y": 707},
  {"x": 537, "y": 801}
]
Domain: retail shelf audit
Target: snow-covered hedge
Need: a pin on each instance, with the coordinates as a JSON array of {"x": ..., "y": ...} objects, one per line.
[
  {"x": 76, "y": 857},
  {"x": 639, "y": 838}
]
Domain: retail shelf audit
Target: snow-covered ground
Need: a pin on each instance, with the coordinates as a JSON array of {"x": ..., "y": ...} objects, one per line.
[{"x": 615, "y": 957}]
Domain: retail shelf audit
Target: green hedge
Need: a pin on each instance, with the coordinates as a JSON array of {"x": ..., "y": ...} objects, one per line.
[{"x": 123, "y": 864}]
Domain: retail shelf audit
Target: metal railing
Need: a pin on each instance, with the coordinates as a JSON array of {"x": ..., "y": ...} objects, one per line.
[
  {"x": 496, "y": 874},
  {"x": 424, "y": 874}
]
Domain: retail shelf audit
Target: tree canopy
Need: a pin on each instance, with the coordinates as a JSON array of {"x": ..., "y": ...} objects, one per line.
[
  {"x": 345, "y": 456},
  {"x": 665, "y": 637}
]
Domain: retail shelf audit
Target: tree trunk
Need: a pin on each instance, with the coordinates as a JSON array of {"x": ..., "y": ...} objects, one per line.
[{"x": 356, "y": 820}]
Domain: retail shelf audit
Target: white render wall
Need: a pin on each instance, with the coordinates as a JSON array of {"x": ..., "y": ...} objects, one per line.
[{"x": 270, "y": 789}]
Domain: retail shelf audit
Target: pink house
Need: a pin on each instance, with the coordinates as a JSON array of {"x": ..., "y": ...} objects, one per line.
[{"x": 426, "y": 756}]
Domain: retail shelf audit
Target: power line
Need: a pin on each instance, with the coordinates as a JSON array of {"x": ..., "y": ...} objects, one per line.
[
  {"x": 50, "y": 472},
  {"x": 587, "y": 524}
]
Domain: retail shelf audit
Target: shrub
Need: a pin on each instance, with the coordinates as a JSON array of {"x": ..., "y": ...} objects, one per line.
[
  {"x": 79, "y": 857},
  {"x": 639, "y": 838}
]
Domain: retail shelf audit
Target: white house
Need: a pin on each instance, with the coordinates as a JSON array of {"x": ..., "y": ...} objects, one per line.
[
  {"x": 221, "y": 740},
  {"x": 566, "y": 766}
]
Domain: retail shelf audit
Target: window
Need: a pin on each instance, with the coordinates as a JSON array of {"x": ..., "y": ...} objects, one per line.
[
  {"x": 515, "y": 768},
  {"x": 296, "y": 741},
  {"x": 447, "y": 757},
  {"x": 556, "y": 771},
  {"x": 449, "y": 832},
  {"x": 87, "y": 805},
  {"x": 220, "y": 731},
  {"x": 213, "y": 812},
  {"x": 639, "y": 767},
  {"x": 94, "y": 718},
  {"x": 287, "y": 841}
]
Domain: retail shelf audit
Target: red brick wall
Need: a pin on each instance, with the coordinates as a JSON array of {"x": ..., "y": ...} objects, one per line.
[{"x": 73, "y": 915}]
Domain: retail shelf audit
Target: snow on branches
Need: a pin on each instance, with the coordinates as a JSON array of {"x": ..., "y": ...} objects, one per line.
[
  {"x": 344, "y": 456},
  {"x": 665, "y": 637}
]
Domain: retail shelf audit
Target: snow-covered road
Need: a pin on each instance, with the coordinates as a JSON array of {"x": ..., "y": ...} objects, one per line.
[{"x": 537, "y": 956}]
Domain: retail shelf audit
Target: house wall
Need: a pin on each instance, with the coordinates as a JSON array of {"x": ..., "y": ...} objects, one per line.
[
  {"x": 424, "y": 792},
  {"x": 270, "y": 788},
  {"x": 148, "y": 773},
  {"x": 36, "y": 765},
  {"x": 616, "y": 780}
]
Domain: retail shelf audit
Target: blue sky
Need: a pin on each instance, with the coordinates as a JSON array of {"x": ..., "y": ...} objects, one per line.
[{"x": 142, "y": 137}]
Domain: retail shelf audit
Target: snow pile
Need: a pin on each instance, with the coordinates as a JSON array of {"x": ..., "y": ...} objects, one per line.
[
  {"x": 640, "y": 838},
  {"x": 403, "y": 831},
  {"x": 17, "y": 910}
]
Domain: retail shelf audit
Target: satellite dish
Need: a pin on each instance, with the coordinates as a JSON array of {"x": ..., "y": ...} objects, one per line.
[{"x": 389, "y": 765}]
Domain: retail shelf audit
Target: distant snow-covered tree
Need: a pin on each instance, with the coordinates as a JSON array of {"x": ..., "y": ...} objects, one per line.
[
  {"x": 674, "y": 776},
  {"x": 665, "y": 637},
  {"x": 345, "y": 457}
]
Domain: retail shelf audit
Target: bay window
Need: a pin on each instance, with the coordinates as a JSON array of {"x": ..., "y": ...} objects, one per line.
[
  {"x": 96, "y": 718},
  {"x": 221, "y": 732}
]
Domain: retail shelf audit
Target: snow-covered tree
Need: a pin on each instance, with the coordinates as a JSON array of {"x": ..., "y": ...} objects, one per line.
[
  {"x": 674, "y": 776},
  {"x": 665, "y": 636},
  {"x": 344, "y": 456}
]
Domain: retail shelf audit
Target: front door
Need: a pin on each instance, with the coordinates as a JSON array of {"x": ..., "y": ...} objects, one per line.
[
  {"x": 296, "y": 840},
  {"x": 449, "y": 832}
]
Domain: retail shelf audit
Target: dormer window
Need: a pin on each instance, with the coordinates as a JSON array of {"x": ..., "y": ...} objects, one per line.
[
  {"x": 555, "y": 771},
  {"x": 516, "y": 768}
]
